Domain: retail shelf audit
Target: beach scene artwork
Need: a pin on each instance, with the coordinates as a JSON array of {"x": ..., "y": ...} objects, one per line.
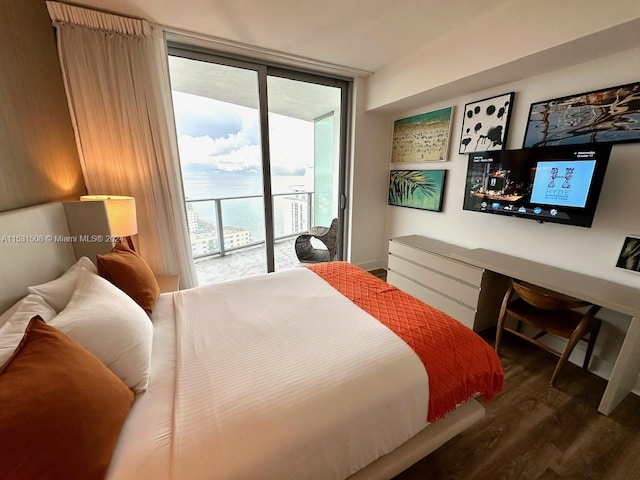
[{"x": 421, "y": 138}]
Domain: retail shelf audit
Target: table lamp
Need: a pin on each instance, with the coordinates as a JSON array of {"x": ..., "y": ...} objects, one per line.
[{"x": 121, "y": 211}]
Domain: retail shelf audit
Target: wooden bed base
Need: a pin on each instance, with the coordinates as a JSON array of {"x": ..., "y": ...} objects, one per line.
[{"x": 423, "y": 443}]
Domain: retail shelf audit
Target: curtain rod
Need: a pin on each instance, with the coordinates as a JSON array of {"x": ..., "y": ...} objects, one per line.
[{"x": 230, "y": 46}]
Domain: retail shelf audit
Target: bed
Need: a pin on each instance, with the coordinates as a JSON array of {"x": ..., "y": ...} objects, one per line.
[{"x": 309, "y": 373}]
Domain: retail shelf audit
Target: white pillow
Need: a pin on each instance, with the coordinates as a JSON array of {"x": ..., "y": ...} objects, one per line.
[
  {"x": 14, "y": 322},
  {"x": 108, "y": 323},
  {"x": 57, "y": 293}
]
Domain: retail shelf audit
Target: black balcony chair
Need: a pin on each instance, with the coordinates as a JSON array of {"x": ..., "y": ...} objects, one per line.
[{"x": 307, "y": 253}]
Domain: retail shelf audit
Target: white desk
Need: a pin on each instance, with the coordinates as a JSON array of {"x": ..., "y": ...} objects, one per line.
[{"x": 611, "y": 295}]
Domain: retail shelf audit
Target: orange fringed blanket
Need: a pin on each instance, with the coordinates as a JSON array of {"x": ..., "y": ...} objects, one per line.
[{"x": 459, "y": 363}]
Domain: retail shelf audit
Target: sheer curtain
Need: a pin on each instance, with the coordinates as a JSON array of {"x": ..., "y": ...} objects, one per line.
[{"x": 116, "y": 77}]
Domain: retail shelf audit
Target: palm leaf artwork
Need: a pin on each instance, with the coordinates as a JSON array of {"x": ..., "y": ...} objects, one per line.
[{"x": 416, "y": 188}]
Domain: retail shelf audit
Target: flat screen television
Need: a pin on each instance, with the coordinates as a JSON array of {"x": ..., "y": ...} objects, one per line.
[{"x": 559, "y": 184}]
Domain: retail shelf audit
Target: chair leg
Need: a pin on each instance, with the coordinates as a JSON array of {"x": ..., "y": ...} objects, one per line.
[
  {"x": 501, "y": 317},
  {"x": 562, "y": 361},
  {"x": 580, "y": 331}
]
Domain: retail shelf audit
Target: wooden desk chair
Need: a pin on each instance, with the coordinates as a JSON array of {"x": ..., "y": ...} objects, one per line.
[{"x": 550, "y": 312}]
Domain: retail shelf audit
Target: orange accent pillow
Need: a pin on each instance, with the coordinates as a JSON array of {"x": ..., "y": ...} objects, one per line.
[
  {"x": 61, "y": 409},
  {"x": 130, "y": 273}
]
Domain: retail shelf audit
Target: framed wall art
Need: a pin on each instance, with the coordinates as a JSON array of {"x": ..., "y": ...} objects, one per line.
[
  {"x": 629, "y": 257},
  {"x": 423, "y": 189},
  {"x": 421, "y": 138},
  {"x": 485, "y": 124},
  {"x": 610, "y": 115}
]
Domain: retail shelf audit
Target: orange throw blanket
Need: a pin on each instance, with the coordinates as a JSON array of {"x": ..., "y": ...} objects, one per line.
[{"x": 459, "y": 363}]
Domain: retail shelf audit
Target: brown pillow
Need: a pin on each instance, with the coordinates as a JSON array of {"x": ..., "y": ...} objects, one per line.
[
  {"x": 61, "y": 409},
  {"x": 130, "y": 273}
]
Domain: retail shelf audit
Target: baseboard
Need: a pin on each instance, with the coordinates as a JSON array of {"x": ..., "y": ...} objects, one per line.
[{"x": 370, "y": 265}]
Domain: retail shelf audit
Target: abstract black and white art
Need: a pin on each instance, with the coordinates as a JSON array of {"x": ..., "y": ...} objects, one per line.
[
  {"x": 629, "y": 258},
  {"x": 485, "y": 124}
]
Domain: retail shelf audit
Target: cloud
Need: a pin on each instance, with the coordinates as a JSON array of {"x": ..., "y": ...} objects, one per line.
[
  {"x": 236, "y": 146},
  {"x": 237, "y": 151},
  {"x": 227, "y": 154},
  {"x": 198, "y": 116}
]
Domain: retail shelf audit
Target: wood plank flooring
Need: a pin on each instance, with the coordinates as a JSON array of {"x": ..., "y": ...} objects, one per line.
[
  {"x": 532, "y": 431},
  {"x": 380, "y": 273},
  {"x": 535, "y": 432}
]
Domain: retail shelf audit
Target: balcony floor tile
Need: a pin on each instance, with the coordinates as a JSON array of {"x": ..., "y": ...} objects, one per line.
[{"x": 245, "y": 263}]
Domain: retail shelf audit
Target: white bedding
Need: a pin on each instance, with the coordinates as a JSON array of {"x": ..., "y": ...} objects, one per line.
[{"x": 285, "y": 379}]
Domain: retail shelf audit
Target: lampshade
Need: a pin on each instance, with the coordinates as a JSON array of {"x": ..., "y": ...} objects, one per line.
[{"x": 121, "y": 211}]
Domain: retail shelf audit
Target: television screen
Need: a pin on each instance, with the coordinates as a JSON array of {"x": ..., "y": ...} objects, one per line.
[{"x": 558, "y": 184}]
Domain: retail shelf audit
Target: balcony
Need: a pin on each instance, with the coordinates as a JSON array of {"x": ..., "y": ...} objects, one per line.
[
  {"x": 240, "y": 251},
  {"x": 245, "y": 262}
]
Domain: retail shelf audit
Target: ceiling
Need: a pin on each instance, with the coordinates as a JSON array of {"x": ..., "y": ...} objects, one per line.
[
  {"x": 302, "y": 100},
  {"x": 451, "y": 46},
  {"x": 360, "y": 34}
]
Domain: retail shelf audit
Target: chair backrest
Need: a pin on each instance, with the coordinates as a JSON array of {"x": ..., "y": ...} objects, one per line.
[
  {"x": 546, "y": 299},
  {"x": 331, "y": 238}
]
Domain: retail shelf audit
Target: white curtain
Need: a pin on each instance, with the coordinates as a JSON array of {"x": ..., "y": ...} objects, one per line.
[{"x": 116, "y": 76}]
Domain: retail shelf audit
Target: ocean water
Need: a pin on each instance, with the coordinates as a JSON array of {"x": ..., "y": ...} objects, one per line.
[
  {"x": 236, "y": 184},
  {"x": 246, "y": 213}
]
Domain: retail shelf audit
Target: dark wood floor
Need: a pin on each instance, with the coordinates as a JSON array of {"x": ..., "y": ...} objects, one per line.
[
  {"x": 380, "y": 273},
  {"x": 532, "y": 431}
]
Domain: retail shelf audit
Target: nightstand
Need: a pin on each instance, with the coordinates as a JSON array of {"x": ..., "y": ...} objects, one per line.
[{"x": 168, "y": 283}]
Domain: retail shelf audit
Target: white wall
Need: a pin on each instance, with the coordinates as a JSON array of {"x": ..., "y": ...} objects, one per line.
[
  {"x": 369, "y": 176},
  {"x": 592, "y": 251},
  {"x": 516, "y": 39}
]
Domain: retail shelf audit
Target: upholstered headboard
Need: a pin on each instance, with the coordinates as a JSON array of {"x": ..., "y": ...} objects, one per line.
[{"x": 39, "y": 243}]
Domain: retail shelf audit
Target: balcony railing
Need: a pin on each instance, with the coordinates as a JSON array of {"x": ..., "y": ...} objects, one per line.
[{"x": 241, "y": 221}]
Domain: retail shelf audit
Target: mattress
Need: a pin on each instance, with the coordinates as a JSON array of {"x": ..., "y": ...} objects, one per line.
[{"x": 284, "y": 378}]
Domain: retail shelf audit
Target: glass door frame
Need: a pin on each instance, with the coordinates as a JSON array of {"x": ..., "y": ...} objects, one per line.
[
  {"x": 345, "y": 87},
  {"x": 264, "y": 70}
]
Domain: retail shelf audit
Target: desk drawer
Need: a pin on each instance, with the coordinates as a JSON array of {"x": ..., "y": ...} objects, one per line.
[
  {"x": 451, "y": 287},
  {"x": 448, "y": 266},
  {"x": 460, "y": 312}
]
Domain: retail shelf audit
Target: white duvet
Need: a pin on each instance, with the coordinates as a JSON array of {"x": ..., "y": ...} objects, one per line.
[{"x": 272, "y": 377}]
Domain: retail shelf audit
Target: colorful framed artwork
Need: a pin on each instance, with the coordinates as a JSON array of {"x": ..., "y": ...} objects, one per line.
[
  {"x": 610, "y": 115},
  {"x": 485, "y": 124},
  {"x": 423, "y": 189},
  {"x": 421, "y": 138},
  {"x": 629, "y": 257}
]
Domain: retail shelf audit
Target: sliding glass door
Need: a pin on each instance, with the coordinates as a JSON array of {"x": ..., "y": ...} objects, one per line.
[{"x": 262, "y": 156}]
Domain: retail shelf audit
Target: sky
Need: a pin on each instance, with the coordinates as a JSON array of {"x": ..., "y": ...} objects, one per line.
[{"x": 218, "y": 136}]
